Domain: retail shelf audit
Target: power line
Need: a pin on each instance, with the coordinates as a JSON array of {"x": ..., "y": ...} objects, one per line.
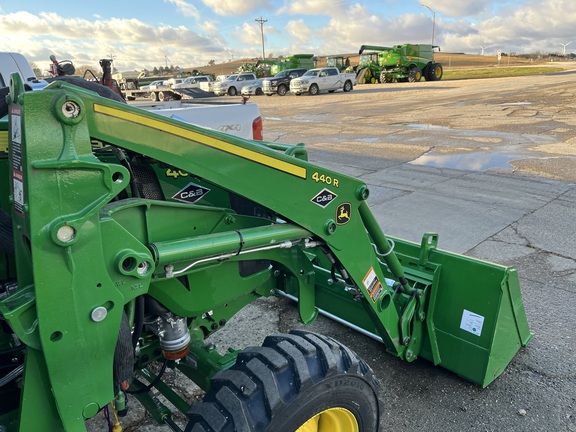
[{"x": 262, "y": 21}]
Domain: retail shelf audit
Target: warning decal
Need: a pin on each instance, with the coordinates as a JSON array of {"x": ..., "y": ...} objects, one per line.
[
  {"x": 472, "y": 322},
  {"x": 372, "y": 284},
  {"x": 17, "y": 170}
]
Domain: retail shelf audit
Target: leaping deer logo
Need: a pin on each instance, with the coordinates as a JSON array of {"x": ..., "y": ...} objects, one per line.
[{"x": 343, "y": 213}]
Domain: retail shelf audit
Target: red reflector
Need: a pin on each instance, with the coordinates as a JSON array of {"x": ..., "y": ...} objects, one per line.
[{"x": 257, "y": 129}]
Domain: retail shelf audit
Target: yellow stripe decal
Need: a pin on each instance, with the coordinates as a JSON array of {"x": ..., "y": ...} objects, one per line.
[
  {"x": 204, "y": 140},
  {"x": 3, "y": 141}
]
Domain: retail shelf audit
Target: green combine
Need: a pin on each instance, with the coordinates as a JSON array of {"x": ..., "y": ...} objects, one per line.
[{"x": 399, "y": 63}]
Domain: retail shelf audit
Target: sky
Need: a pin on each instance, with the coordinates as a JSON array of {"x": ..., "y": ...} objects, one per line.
[{"x": 185, "y": 33}]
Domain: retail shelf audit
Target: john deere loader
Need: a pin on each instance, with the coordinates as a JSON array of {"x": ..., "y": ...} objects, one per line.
[{"x": 128, "y": 238}]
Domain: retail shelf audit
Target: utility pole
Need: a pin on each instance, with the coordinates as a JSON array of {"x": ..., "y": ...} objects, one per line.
[
  {"x": 262, "y": 21},
  {"x": 433, "y": 20}
]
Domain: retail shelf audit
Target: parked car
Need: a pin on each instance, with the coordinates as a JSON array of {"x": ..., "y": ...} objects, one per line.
[
  {"x": 170, "y": 83},
  {"x": 322, "y": 79},
  {"x": 158, "y": 85},
  {"x": 233, "y": 84},
  {"x": 253, "y": 89},
  {"x": 153, "y": 84},
  {"x": 209, "y": 85},
  {"x": 192, "y": 82},
  {"x": 280, "y": 83}
]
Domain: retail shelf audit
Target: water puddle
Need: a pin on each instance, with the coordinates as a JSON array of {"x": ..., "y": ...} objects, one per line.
[
  {"x": 421, "y": 126},
  {"x": 368, "y": 140},
  {"x": 473, "y": 161}
]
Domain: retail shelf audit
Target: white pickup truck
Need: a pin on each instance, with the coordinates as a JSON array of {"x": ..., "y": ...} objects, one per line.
[
  {"x": 239, "y": 119},
  {"x": 322, "y": 79},
  {"x": 191, "y": 82},
  {"x": 233, "y": 84}
]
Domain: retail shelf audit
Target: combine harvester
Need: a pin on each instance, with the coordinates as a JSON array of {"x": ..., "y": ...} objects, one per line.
[{"x": 399, "y": 63}]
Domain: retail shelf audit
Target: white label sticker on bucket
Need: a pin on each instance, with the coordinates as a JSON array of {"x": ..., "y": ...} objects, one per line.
[{"x": 472, "y": 322}]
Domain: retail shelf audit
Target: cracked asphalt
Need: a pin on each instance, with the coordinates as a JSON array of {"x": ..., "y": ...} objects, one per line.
[{"x": 491, "y": 166}]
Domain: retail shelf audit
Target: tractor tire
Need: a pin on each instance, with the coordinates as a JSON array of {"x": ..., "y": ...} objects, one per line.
[
  {"x": 436, "y": 72},
  {"x": 427, "y": 71},
  {"x": 282, "y": 90},
  {"x": 415, "y": 74},
  {"x": 300, "y": 381},
  {"x": 314, "y": 90},
  {"x": 386, "y": 78},
  {"x": 232, "y": 91},
  {"x": 347, "y": 86},
  {"x": 153, "y": 96},
  {"x": 360, "y": 76}
]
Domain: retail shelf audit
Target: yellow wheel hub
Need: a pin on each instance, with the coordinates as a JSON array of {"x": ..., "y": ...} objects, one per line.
[{"x": 331, "y": 420}]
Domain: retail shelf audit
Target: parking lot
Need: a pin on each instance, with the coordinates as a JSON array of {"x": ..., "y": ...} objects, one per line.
[{"x": 491, "y": 166}]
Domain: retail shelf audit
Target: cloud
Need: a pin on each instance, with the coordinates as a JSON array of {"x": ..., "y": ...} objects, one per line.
[
  {"x": 461, "y": 8},
  {"x": 249, "y": 34},
  {"x": 311, "y": 7},
  {"x": 185, "y": 8},
  {"x": 299, "y": 31},
  {"x": 136, "y": 44},
  {"x": 235, "y": 7}
]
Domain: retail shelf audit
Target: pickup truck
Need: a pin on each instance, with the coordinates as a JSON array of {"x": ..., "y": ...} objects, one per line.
[
  {"x": 280, "y": 83},
  {"x": 233, "y": 84},
  {"x": 208, "y": 86},
  {"x": 191, "y": 82},
  {"x": 239, "y": 119},
  {"x": 322, "y": 79}
]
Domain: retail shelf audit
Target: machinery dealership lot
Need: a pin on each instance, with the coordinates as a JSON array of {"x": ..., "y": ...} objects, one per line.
[{"x": 491, "y": 166}]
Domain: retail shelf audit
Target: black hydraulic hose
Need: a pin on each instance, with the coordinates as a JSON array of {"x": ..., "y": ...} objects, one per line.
[
  {"x": 153, "y": 383},
  {"x": 126, "y": 163},
  {"x": 138, "y": 320}
]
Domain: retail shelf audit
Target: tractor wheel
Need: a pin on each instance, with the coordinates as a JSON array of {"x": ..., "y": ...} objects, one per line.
[
  {"x": 314, "y": 90},
  {"x": 300, "y": 382},
  {"x": 232, "y": 91},
  {"x": 415, "y": 74},
  {"x": 427, "y": 71},
  {"x": 347, "y": 86},
  {"x": 360, "y": 76},
  {"x": 436, "y": 72},
  {"x": 282, "y": 90}
]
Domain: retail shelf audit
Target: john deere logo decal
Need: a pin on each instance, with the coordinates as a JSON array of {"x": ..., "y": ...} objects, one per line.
[
  {"x": 343, "y": 214},
  {"x": 324, "y": 197}
]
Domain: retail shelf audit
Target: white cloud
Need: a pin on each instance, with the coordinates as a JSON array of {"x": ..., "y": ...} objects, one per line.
[
  {"x": 235, "y": 7},
  {"x": 311, "y": 7},
  {"x": 299, "y": 31},
  {"x": 461, "y": 8},
  {"x": 135, "y": 44},
  {"x": 249, "y": 34},
  {"x": 185, "y": 8}
]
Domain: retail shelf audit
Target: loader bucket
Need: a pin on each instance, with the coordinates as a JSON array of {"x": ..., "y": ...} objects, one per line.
[{"x": 475, "y": 319}]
